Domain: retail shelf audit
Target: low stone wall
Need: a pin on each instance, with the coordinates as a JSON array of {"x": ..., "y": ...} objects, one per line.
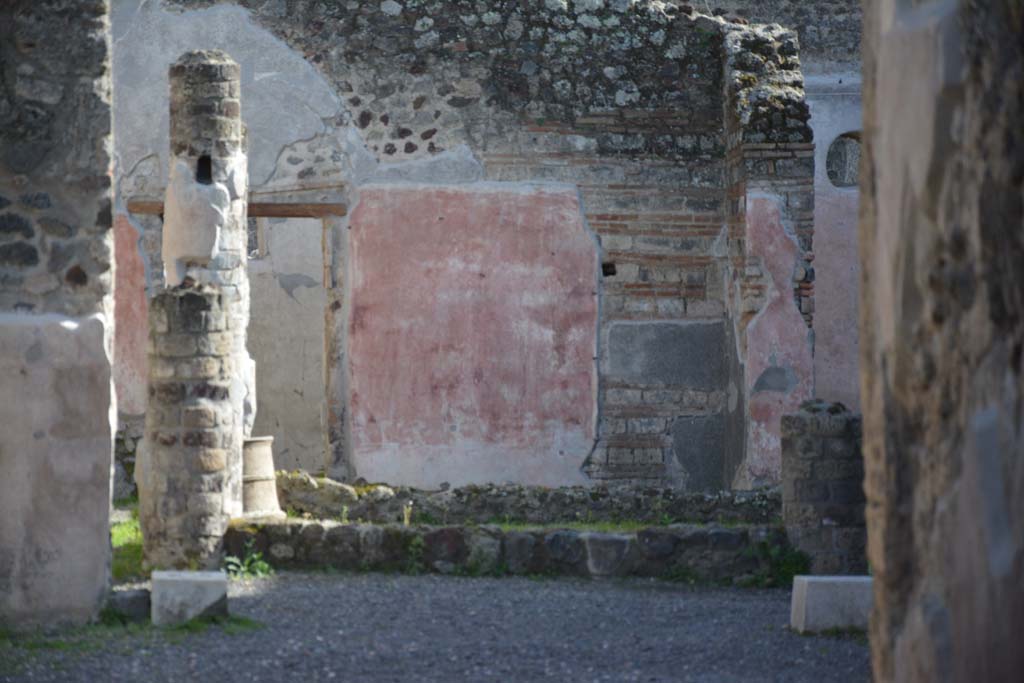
[
  {"x": 490, "y": 503},
  {"x": 756, "y": 555},
  {"x": 822, "y": 489}
]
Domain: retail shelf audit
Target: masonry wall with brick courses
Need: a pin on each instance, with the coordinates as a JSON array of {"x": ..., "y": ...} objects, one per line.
[
  {"x": 770, "y": 216},
  {"x": 823, "y": 487},
  {"x": 622, "y": 99},
  {"x": 191, "y": 432}
]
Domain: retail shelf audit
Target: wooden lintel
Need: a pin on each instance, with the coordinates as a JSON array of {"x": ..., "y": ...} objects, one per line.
[{"x": 257, "y": 209}]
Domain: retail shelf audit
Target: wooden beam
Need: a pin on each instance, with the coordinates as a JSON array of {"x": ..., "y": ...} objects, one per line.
[{"x": 257, "y": 209}]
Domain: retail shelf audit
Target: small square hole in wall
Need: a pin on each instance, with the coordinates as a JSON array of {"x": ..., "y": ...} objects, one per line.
[
  {"x": 204, "y": 170},
  {"x": 608, "y": 269}
]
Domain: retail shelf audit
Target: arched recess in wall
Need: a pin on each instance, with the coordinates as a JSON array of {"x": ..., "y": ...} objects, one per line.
[{"x": 843, "y": 160}]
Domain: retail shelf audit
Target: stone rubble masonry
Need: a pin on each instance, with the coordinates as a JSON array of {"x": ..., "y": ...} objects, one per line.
[
  {"x": 184, "y": 479},
  {"x": 623, "y": 100},
  {"x": 56, "y": 247},
  {"x": 328, "y": 499},
  {"x": 56, "y": 311},
  {"x": 942, "y": 325},
  {"x": 694, "y": 553},
  {"x": 822, "y": 487}
]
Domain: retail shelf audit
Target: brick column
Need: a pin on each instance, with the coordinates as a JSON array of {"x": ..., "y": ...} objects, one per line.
[
  {"x": 205, "y": 234},
  {"x": 202, "y": 380},
  {"x": 822, "y": 487},
  {"x": 190, "y": 428}
]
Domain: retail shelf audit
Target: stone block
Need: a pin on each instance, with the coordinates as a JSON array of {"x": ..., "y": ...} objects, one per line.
[
  {"x": 821, "y": 603},
  {"x": 698, "y": 443},
  {"x": 690, "y": 354},
  {"x": 610, "y": 554},
  {"x": 179, "y": 596}
]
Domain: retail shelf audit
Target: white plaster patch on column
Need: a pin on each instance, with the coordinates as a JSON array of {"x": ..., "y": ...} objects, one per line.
[{"x": 194, "y": 215}]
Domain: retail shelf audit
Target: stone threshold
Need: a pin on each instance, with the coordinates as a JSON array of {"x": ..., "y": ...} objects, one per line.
[{"x": 755, "y": 555}]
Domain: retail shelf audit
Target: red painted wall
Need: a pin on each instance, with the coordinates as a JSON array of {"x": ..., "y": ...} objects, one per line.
[
  {"x": 471, "y": 335},
  {"x": 131, "y": 327}
]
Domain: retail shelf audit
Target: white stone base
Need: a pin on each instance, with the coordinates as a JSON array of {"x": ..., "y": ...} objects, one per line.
[
  {"x": 178, "y": 596},
  {"x": 821, "y": 603}
]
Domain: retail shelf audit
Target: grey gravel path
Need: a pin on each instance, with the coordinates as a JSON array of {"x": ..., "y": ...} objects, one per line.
[{"x": 372, "y": 627}]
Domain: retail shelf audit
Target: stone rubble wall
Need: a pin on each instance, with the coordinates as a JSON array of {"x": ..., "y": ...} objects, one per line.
[
  {"x": 624, "y": 100},
  {"x": 823, "y": 487},
  {"x": 740, "y": 556},
  {"x": 327, "y": 499},
  {"x": 942, "y": 324},
  {"x": 184, "y": 482},
  {"x": 57, "y": 407}
]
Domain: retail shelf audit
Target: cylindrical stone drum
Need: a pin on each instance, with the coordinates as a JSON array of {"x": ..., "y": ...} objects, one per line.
[{"x": 259, "y": 483}]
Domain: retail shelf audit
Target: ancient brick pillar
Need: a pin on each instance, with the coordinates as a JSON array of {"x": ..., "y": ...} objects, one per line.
[
  {"x": 822, "y": 487},
  {"x": 201, "y": 395},
  {"x": 184, "y": 501}
]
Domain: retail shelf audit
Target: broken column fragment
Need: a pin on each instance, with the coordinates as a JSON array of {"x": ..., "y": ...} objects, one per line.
[{"x": 202, "y": 379}]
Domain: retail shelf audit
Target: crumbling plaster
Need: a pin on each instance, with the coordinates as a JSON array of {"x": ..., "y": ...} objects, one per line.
[{"x": 641, "y": 184}]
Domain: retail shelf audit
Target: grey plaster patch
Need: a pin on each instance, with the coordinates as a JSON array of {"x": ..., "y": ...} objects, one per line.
[
  {"x": 776, "y": 378},
  {"x": 689, "y": 354},
  {"x": 292, "y": 281},
  {"x": 698, "y": 446}
]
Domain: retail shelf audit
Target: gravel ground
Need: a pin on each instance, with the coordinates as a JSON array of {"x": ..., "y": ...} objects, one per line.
[{"x": 373, "y": 627}]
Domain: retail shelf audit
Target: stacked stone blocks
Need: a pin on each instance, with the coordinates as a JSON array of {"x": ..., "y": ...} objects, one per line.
[
  {"x": 822, "y": 487},
  {"x": 189, "y": 426}
]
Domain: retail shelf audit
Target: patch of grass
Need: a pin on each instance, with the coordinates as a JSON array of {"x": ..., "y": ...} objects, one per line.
[
  {"x": 414, "y": 555},
  {"x": 126, "y": 539},
  {"x": 232, "y": 625},
  {"x": 250, "y": 566},
  {"x": 783, "y": 562}
]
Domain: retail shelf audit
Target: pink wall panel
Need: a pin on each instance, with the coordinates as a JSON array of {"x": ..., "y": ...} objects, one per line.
[
  {"x": 471, "y": 335},
  {"x": 131, "y": 326}
]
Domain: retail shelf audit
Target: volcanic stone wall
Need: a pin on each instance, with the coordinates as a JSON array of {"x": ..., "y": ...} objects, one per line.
[
  {"x": 822, "y": 487},
  {"x": 942, "y": 243},
  {"x": 55, "y": 244},
  {"x": 56, "y": 253}
]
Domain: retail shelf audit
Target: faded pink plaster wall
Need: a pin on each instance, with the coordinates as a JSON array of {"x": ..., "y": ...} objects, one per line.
[
  {"x": 131, "y": 327},
  {"x": 836, "y": 293},
  {"x": 779, "y": 362},
  {"x": 471, "y": 335}
]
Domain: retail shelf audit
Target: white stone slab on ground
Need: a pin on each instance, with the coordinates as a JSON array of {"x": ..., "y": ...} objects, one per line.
[
  {"x": 178, "y": 596},
  {"x": 821, "y": 603}
]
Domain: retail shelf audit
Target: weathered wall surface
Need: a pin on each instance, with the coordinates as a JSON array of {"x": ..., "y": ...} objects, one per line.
[
  {"x": 56, "y": 253},
  {"x": 286, "y": 336},
  {"x": 620, "y": 99},
  {"x": 472, "y": 335},
  {"x": 55, "y": 454},
  {"x": 835, "y": 104},
  {"x": 942, "y": 322},
  {"x": 770, "y": 167}
]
